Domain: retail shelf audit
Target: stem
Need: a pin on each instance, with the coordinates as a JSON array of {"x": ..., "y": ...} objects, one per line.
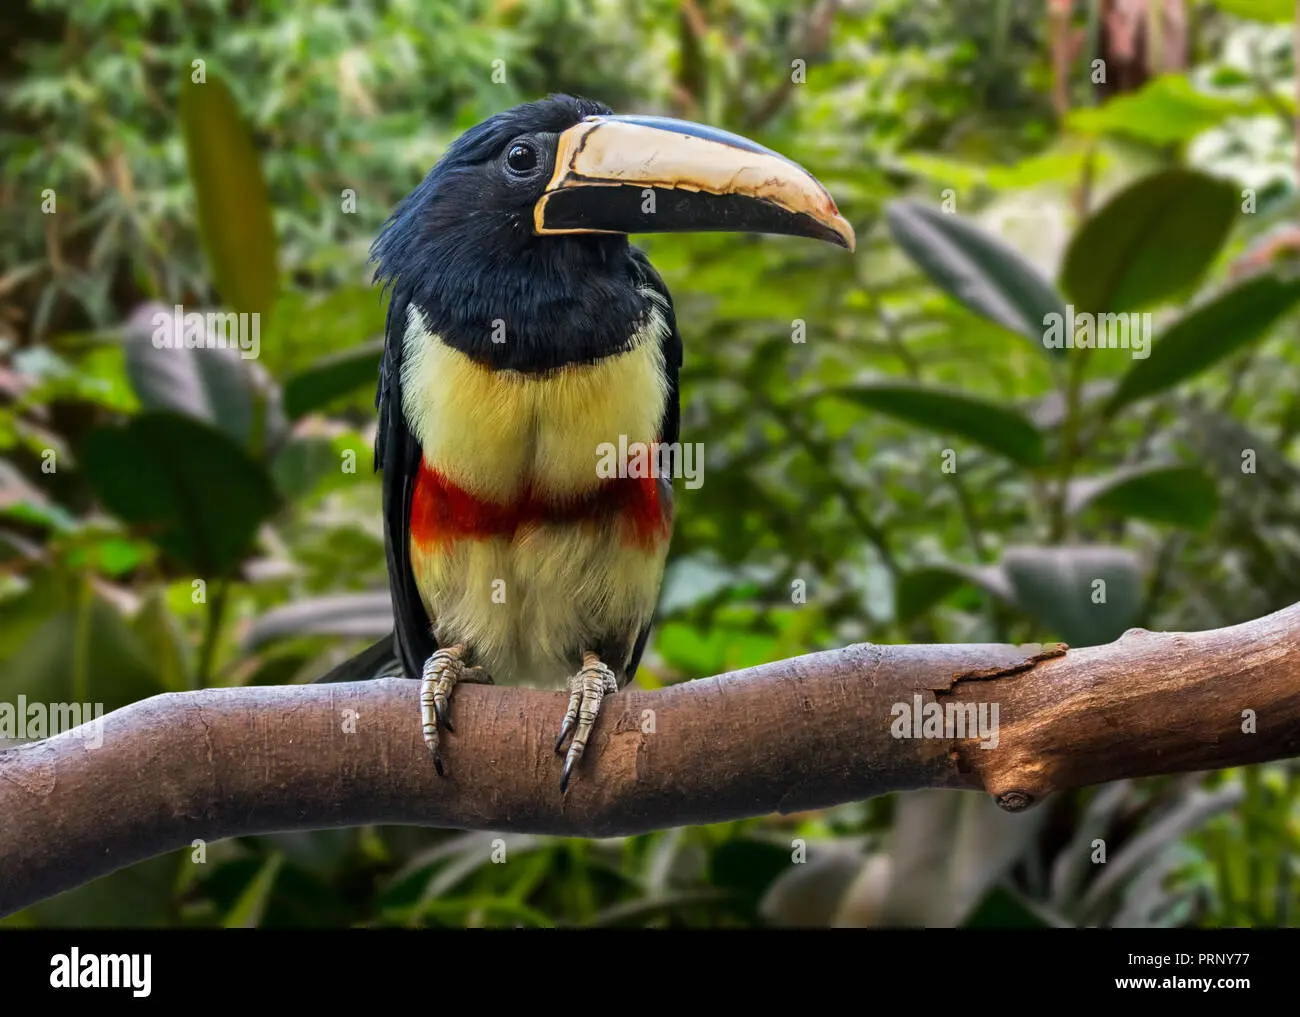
[
  {"x": 970, "y": 518},
  {"x": 820, "y": 453},
  {"x": 1295, "y": 66},
  {"x": 964, "y": 503},
  {"x": 1250, "y": 811},
  {"x": 81, "y": 646},
  {"x": 1156, "y": 35},
  {"x": 1069, "y": 444},
  {"x": 211, "y": 631}
]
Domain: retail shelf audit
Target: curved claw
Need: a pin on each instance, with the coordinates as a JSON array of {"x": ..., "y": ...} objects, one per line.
[
  {"x": 441, "y": 673},
  {"x": 566, "y": 729},
  {"x": 590, "y": 686}
]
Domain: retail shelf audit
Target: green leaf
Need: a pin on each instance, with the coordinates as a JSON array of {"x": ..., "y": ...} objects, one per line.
[
  {"x": 44, "y": 514},
  {"x": 919, "y": 590},
  {"x": 332, "y": 377},
  {"x": 93, "y": 639},
  {"x": 160, "y": 633},
  {"x": 1165, "y": 110},
  {"x": 747, "y": 867},
  {"x": 107, "y": 553},
  {"x": 196, "y": 493},
  {"x": 40, "y": 592},
  {"x": 138, "y": 896},
  {"x": 1207, "y": 334},
  {"x": 1088, "y": 595},
  {"x": 987, "y": 424},
  {"x": 697, "y": 578},
  {"x": 251, "y": 905},
  {"x": 307, "y": 326},
  {"x": 309, "y": 464},
  {"x": 231, "y": 199},
  {"x": 1150, "y": 242},
  {"x": 1142, "y": 851},
  {"x": 1179, "y": 495},
  {"x": 1258, "y": 10},
  {"x": 216, "y": 384},
  {"x": 975, "y": 268},
  {"x": 1006, "y": 908},
  {"x": 699, "y": 651},
  {"x": 642, "y": 912},
  {"x": 22, "y": 500}
]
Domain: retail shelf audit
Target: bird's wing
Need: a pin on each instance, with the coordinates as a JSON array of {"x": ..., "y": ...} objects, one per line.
[
  {"x": 398, "y": 454},
  {"x": 378, "y": 660},
  {"x": 670, "y": 428}
]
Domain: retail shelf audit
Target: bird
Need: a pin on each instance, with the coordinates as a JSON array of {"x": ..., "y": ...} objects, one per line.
[{"x": 524, "y": 335}]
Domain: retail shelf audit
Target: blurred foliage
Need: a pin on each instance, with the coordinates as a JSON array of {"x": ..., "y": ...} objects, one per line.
[{"x": 916, "y": 465}]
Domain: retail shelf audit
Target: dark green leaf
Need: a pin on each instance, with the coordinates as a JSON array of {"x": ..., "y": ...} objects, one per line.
[
  {"x": 304, "y": 463},
  {"x": 1207, "y": 334},
  {"x": 191, "y": 489},
  {"x": 214, "y": 384},
  {"x": 251, "y": 905},
  {"x": 160, "y": 633},
  {"x": 1005, "y": 908},
  {"x": 976, "y": 268},
  {"x": 231, "y": 200},
  {"x": 139, "y": 896},
  {"x": 1088, "y": 595},
  {"x": 920, "y": 589},
  {"x": 987, "y": 424},
  {"x": 332, "y": 377},
  {"x": 308, "y": 326},
  {"x": 1150, "y": 242},
  {"x": 1179, "y": 495},
  {"x": 747, "y": 868},
  {"x": 70, "y": 659}
]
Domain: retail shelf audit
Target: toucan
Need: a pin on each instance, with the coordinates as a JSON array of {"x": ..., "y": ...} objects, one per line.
[{"x": 525, "y": 337}]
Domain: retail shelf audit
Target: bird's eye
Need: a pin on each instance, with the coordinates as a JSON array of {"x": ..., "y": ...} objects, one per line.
[{"x": 521, "y": 158}]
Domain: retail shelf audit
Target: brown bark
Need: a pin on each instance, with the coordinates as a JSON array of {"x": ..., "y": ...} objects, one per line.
[{"x": 798, "y": 734}]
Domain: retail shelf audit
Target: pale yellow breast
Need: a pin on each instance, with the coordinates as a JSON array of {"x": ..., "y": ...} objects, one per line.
[
  {"x": 528, "y": 605},
  {"x": 494, "y": 433}
]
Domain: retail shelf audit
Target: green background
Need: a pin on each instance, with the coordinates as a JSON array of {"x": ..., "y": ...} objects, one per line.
[{"x": 886, "y": 434}]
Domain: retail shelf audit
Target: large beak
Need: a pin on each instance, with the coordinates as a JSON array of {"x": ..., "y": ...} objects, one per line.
[{"x": 657, "y": 175}]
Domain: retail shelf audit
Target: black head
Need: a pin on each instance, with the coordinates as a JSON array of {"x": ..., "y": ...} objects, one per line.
[
  {"x": 515, "y": 245},
  {"x": 462, "y": 246}
]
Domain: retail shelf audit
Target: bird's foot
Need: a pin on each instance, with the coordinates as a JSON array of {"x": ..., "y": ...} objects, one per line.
[
  {"x": 587, "y": 690},
  {"x": 443, "y": 672}
]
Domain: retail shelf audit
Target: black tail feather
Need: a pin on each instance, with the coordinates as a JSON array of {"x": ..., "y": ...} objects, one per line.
[{"x": 378, "y": 661}]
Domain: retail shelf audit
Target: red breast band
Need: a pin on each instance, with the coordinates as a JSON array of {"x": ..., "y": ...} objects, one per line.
[{"x": 442, "y": 512}]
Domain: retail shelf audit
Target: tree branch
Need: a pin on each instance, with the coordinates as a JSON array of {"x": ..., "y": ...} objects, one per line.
[{"x": 798, "y": 734}]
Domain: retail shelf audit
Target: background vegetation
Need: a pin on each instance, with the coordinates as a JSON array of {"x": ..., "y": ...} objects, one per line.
[{"x": 171, "y": 520}]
